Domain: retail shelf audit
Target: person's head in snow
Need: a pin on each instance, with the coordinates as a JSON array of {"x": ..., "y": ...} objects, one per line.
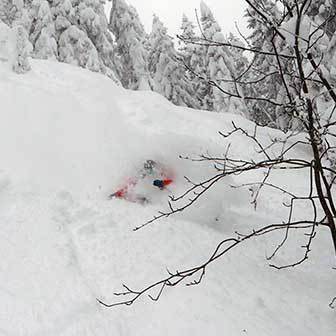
[{"x": 149, "y": 167}]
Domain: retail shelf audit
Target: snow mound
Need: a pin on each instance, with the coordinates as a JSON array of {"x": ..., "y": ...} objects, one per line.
[{"x": 68, "y": 138}]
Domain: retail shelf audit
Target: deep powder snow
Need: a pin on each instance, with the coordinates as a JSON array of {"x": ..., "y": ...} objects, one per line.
[{"x": 68, "y": 138}]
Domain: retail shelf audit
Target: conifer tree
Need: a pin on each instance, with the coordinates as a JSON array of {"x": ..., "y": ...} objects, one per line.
[
  {"x": 12, "y": 11},
  {"x": 21, "y": 49},
  {"x": 5, "y": 32},
  {"x": 76, "y": 48},
  {"x": 6, "y": 8},
  {"x": 237, "y": 63},
  {"x": 193, "y": 55},
  {"x": 63, "y": 14},
  {"x": 187, "y": 34},
  {"x": 82, "y": 35},
  {"x": 216, "y": 63},
  {"x": 261, "y": 38},
  {"x": 92, "y": 20},
  {"x": 269, "y": 73},
  {"x": 131, "y": 38},
  {"x": 42, "y": 30},
  {"x": 322, "y": 12},
  {"x": 15, "y": 15},
  {"x": 168, "y": 72}
]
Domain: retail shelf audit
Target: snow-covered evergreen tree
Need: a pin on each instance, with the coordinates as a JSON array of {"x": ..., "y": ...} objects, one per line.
[
  {"x": 11, "y": 11},
  {"x": 168, "y": 72},
  {"x": 270, "y": 87},
  {"x": 275, "y": 81},
  {"x": 15, "y": 41},
  {"x": 220, "y": 67},
  {"x": 21, "y": 49},
  {"x": 323, "y": 13},
  {"x": 76, "y": 48},
  {"x": 237, "y": 63},
  {"x": 92, "y": 20},
  {"x": 82, "y": 36},
  {"x": 187, "y": 35},
  {"x": 5, "y": 32},
  {"x": 240, "y": 61},
  {"x": 330, "y": 63},
  {"x": 63, "y": 15},
  {"x": 193, "y": 54},
  {"x": 131, "y": 38},
  {"x": 6, "y": 15},
  {"x": 42, "y": 30}
]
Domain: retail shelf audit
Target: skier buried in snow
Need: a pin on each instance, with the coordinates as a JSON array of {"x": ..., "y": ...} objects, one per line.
[{"x": 152, "y": 173}]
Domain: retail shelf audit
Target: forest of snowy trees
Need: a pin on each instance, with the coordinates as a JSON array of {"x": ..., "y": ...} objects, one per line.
[{"x": 205, "y": 69}]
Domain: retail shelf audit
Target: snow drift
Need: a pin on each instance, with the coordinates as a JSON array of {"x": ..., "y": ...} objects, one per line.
[{"x": 68, "y": 138}]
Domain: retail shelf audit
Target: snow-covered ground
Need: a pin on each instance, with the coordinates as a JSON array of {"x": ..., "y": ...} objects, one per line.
[{"x": 68, "y": 138}]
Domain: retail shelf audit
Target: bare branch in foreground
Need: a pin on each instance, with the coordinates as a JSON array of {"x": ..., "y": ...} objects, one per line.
[{"x": 155, "y": 290}]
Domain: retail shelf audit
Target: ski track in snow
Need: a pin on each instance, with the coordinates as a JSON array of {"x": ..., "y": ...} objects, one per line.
[{"x": 69, "y": 140}]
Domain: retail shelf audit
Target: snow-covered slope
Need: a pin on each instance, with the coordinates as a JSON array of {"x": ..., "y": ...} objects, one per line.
[{"x": 68, "y": 138}]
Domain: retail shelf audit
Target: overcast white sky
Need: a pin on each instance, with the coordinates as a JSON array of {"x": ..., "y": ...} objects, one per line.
[{"x": 170, "y": 12}]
